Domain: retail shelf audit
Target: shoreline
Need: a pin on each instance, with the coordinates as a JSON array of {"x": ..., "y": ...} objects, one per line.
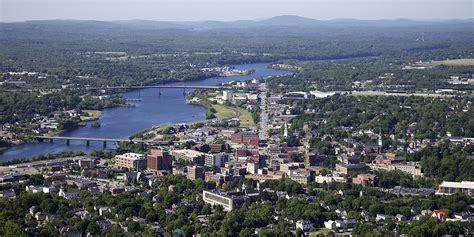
[{"x": 190, "y": 123}]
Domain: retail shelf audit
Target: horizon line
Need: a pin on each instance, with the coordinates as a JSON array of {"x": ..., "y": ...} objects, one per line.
[{"x": 255, "y": 20}]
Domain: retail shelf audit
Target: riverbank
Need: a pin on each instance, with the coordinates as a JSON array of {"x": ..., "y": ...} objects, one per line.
[
  {"x": 93, "y": 115},
  {"x": 151, "y": 109},
  {"x": 220, "y": 111}
]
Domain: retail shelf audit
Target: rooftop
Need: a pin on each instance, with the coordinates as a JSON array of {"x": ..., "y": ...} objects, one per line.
[{"x": 462, "y": 184}]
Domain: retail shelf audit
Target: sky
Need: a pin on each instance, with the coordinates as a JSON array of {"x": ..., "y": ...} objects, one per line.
[{"x": 229, "y": 10}]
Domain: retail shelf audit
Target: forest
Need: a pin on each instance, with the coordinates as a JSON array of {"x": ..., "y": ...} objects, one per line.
[
  {"x": 22, "y": 106},
  {"x": 426, "y": 118},
  {"x": 77, "y": 54},
  {"x": 376, "y": 73},
  {"x": 115, "y": 53}
]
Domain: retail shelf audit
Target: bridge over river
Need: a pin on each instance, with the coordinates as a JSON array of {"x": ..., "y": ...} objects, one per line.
[
  {"x": 184, "y": 87},
  {"x": 103, "y": 140},
  {"x": 158, "y": 86}
]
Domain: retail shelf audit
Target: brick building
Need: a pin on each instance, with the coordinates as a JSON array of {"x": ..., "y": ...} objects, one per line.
[{"x": 158, "y": 159}]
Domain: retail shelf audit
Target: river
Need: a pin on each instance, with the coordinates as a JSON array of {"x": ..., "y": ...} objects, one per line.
[{"x": 151, "y": 110}]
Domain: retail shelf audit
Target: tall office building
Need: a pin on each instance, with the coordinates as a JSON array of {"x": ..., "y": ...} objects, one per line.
[{"x": 158, "y": 159}]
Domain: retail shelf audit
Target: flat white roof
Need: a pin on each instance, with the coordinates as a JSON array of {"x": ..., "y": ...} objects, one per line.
[
  {"x": 462, "y": 184},
  {"x": 189, "y": 153},
  {"x": 131, "y": 156}
]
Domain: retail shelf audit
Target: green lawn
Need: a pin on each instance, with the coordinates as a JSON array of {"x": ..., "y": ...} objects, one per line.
[
  {"x": 93, "y": 114},
  {"x": 456, "y": 62},
  {"x": 245, "y": 118},
  {"x": 223, "y": 112},
  {"x": 111, "y": 53}
]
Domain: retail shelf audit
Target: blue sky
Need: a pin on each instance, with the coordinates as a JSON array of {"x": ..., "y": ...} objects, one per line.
[{"x": 228, "y": 10}]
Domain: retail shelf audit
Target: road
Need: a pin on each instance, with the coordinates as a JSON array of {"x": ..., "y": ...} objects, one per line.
[
  {"x": 263, "y": 132},
  {"x": 383, "y": 93}
]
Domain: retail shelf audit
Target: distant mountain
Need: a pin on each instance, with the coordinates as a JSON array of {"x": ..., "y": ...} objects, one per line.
[
  {"x": 289, "y": 23},
  {"x": 288, "y": 20},
  {"x": 149, "y": 24}
]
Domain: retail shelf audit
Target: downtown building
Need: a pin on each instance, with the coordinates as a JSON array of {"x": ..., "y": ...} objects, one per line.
[
  {"x": 244, "y": 137},
  {"x": 131, "y": 161},
  {"x": 189, "y": 156},
  {"x": 229, "y": 200},
  {"x": 195, "y": 172},
  {"x": 158, "y": 161},
  {"x": 216, "y": 160}
]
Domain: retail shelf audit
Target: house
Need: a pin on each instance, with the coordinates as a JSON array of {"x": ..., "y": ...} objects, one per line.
[
  {"x": 82, "y": 214},
  {"x": 68, "y": 194},
  {"x": 39, "y": 189},
  {"x": 40, "y": 216},
  {"x": 440, "y": 214},
  {"x": 139, "y": 220},
  {"x": 400, "y": 217},
  {"x": 350, "y": 223},
  {"x": 69, "y": 231},
  {"x": 104, "y": 225},
  {"x": 304, "y": 225},
  {"x": 333, "y": 225},
  {"x": 364, "y": 179},
  {"x": 7, "y": 194},
  {"x": 383, "y": 217},
  {"x": 102, "y": 210}
]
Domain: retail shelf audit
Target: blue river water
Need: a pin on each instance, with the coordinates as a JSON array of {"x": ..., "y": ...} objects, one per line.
[{"x": 151, "y": 110}]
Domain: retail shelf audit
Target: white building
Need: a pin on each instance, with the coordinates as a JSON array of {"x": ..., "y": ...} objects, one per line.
[
  {"x": 69, "y": 194},
  {"x": 218, "y": 160},
  {"x": 413, "y": 169},
  {"x": 252, "y": 167},
  {"x": 320, "y": 94},
  {"x": 300, "y": 176},
  {"x": 330, "y": 179},
  {"x": 340, "y": 224},
  {"x": 228, "y": 200},
  {"x": 227, "y": 95},
  {"x": 39, "y": 189},
  {"x": 304, "y": 225},
  {"x": 448, "y": 188},
  {"x": 330, "y": 224}
]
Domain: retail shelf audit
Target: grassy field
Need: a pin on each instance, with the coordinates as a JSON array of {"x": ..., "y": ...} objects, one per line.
[
  {"x": 93, "y": 114},
  {"x": 245, "y": 118},
  {"x": 224, "y": 112},
  {"x": 53, "y": 133},
  {"x": 111, "y": 53},
  {"x": 456, "y": 62},
  {"x": 116, "y": 58}
]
